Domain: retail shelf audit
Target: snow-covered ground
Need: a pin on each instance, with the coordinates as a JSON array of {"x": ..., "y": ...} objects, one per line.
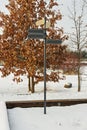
[
  {"x": 57, "y": 118},
  {"x": 4, "y": 125},
  {"x": 10, "y": 90}
]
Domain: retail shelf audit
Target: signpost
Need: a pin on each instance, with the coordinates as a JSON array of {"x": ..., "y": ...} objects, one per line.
[
  {"x": 36, "y": 34},
  {"x": 52, "y": 41},
  {"x": 40, "y": 22},
  {"x": 41, "y": 34},
  {"x": 36, "y": 31}
]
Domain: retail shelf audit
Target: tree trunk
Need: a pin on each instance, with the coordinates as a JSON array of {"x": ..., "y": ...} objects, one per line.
[
  {"x": 79, "y": 66},
  {"x": 79, "y": 83},
  {"x": 33, "y": 89},
  {"x": 29, "y": 86}
]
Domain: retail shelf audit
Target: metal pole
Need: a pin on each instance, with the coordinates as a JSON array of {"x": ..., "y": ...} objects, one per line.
[{"x": 45, "y": 69}]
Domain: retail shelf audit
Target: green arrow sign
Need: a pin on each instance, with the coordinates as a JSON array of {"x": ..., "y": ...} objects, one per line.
[
  {"x": 37, "y": 33},
  {"x": 53, "y": 41},
  {"x": 34, "y": 31},
  {"x": 36, "y": 36}
]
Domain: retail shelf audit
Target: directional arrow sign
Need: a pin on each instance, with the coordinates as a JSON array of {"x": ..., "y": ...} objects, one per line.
[
  {"x": 36, "y": 36},
  {"x": 37, "y": 33},
  {"x": 48, "y": 24},
  {"x": 33, "y": 31},
  {"x": 40, "y": 22},
  {"x": 53, "y": 41}
]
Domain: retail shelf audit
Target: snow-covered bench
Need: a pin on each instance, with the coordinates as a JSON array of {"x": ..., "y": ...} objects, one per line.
[{"x": 4, "y": 124}]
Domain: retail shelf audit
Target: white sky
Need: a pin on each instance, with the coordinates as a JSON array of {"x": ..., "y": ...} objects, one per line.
[
  {"x": 66, "y": 23},
  {"x": 2, "y": 5}
]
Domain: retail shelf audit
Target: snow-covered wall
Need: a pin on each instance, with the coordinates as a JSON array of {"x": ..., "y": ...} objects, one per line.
[{"x": 4, "y": 124}]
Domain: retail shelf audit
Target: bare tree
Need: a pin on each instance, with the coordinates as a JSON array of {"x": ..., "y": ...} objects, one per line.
[
  {"x": 86, "y": 9},
  {"x": 79, "y": 34},
  {"x": 85, "y": 1}
]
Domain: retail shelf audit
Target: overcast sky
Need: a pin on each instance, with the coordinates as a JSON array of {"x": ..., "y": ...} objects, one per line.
[{"x": 65, "y": 22}]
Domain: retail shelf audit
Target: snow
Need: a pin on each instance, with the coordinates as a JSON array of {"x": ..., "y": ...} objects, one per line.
[
  {"x": 62, "y": 118},
  {"x": 10, "y": 90},
  {"x": 4, "y": 125},
  {"x": 57, "y": 118}
]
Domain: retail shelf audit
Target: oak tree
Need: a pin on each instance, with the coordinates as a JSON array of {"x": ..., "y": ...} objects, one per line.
[{"x": 23, "y": 56}]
